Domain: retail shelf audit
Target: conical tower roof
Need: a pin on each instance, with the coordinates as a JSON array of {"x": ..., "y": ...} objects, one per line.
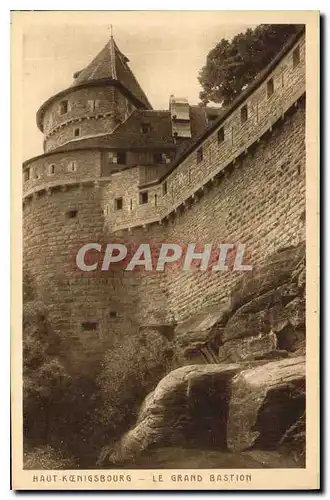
[{"x": 111, "y": 63}]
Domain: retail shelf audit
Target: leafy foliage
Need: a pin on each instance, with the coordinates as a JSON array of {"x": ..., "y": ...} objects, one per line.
[
  {"x": 131, "y": 369},
  {"x": 232, "y": 65},
  {"x": 47, "y": 457}
]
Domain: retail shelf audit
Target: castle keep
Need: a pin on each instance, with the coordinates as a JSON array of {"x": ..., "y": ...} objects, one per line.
[{"x": 114, "y": 169}]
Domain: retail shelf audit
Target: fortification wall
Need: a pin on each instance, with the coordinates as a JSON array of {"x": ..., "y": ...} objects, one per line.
[
  {"x": 247, "y": 186},
  {"x": 58, "y": 169},
  {"x": 92, "y": 110},
  {"x": 90, "y": 309},
  {"x": 260, "y": 204},
  {"x": 264, "y": 110}
]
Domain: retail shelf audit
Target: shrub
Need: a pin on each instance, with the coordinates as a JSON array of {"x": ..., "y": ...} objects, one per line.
[{"x": 132, "y": 368}]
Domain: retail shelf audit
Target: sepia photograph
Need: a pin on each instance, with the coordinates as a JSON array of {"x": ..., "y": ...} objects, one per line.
[{"x": 166, "y": 183}]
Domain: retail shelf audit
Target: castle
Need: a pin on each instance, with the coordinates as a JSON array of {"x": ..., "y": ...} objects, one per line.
[{"x": 114, "y": 169}]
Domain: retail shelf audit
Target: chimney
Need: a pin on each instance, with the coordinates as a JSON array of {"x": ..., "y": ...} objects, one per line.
[{"x": 180, "y": 116}]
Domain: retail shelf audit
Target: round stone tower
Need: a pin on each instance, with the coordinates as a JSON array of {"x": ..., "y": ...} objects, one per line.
[{"x": 63, "y": 205}]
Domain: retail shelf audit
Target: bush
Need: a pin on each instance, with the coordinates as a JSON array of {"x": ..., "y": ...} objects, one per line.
[
  {"x": 47, "y": 457},
  {"x": 132, "y": 368}
]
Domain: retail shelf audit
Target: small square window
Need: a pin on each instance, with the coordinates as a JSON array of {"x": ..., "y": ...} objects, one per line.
[
  {"x": 72, "y": 214},
  {"x": 164, "y": 188},
  {"x": 89, "y": 325},
  {"x": 244, "y": 113},
  {"x": 296, "y": 56},
  {"x": 118, "y": 203},
  {"x": 270, "y": 87},
  {"x": 113, "y": 314},
  {"x": 199, "y": 155},
  {"x": 51, "y": 169},
  {"x": 64, "y": 107},
  {"x": 145, "y": 128},
  {"x": 143, "y": 197},
  {"x": 26, "y": 175},
  {"x": 221, "y": 135},
  {"x": 77, "y": 132}
]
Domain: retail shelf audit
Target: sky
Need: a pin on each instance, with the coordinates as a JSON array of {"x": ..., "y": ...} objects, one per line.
[{"x": 166, "y": 51}]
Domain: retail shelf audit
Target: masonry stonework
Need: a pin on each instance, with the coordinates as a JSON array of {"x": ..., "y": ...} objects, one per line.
[{"x": 246, "y": 185}]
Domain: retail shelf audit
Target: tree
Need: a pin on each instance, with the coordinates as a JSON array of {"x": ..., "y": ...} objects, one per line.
[{"x": 233, "y": 65}]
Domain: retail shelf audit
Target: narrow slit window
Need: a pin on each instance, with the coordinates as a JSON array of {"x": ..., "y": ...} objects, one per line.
[
  {"x": 72, "y": 167},
  {"x": 199, "y": 155},
  {"x": 51, "y": 169},
  {"x": 118, "y": 203},
  {"x": 155, "y": 200},
  {"x": 143, "y": 197},
  {"x": 164, "y": 188},
  {"x": 72, "y": 214},
  {"x": 221, "y": 135},
  {"x": 244, "y": 113},
  {"x": 270, "y": 87},
  {"x": 296, "y": 56},
  {"x": 77, "y": 132}
]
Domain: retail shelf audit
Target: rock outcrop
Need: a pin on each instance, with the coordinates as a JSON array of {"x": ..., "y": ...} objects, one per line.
[
  {"x": 242, "y": 386},
  {"x": 265, "y": 401}
]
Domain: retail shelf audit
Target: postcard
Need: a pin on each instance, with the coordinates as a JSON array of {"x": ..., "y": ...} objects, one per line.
[{"x": 165, "y": 268}]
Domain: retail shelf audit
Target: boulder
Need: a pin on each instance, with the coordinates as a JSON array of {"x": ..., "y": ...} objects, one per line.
[
  {"x": 265, "y": 401},
  {"x": 247, "y": 348},
  {"x": 197, "y": 339},
  {"x": 189, "y": 404}
]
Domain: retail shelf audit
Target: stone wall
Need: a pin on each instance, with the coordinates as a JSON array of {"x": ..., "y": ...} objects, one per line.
[
  {"x": 250, "y": 188},
  {"x": 192, "y": 175},
  {"x": 94, "y": 110}
]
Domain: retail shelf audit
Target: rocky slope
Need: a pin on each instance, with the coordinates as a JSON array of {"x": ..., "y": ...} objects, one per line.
[{"x": 242, "y": 383}]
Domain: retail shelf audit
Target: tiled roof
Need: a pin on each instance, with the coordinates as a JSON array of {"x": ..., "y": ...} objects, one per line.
[
  {"x": 129, "y": 135},
  {"x": 111, "y": 63}
]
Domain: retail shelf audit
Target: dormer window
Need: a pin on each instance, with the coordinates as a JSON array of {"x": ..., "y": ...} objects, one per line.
[
  {"x": 145, "y": 128},
  {"x": 64, "y": 107},
  {"x": 115, "y": 157}
]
